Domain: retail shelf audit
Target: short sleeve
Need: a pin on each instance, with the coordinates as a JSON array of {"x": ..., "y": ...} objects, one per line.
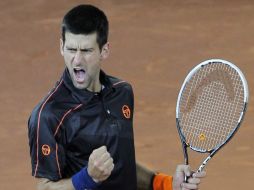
[{"x": 47, "y": 155}]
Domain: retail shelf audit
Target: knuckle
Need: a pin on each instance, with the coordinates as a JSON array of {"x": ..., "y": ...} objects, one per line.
[
  {"x": 180, "y": 168},
  {"x": 96, "y": 164},
  {"x": 106, "y": 155},
  {"x": 111, "y": 160},
  {"x": 94, "y": 152},
  {"x": 104, "y": 148},
  {"x": 106, "y": 173},
  {"x": 91, "y": 155},
  {"x": 101, "y": 170}
]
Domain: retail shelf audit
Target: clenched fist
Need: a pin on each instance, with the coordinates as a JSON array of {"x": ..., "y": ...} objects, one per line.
[{"x": 100, "y": 164}]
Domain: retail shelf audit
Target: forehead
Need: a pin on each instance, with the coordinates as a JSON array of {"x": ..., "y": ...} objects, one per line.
[{"x": 81, "y": 40}]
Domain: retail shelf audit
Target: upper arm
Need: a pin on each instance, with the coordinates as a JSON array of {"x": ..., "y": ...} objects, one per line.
[{"x": 47, "y": 155}]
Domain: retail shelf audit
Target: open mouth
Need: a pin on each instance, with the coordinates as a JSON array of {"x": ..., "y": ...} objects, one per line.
[{"x": 79, "y": 74}]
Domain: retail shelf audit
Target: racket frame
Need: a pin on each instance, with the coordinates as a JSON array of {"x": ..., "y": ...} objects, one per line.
[{"x": 211, "y": 152}]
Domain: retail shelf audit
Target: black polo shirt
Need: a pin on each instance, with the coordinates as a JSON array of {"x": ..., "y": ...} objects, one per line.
[{"x": 69, "y": 123}]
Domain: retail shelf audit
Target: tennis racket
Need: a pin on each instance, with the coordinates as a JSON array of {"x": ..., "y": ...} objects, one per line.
[{"x": 210, "y": 107}]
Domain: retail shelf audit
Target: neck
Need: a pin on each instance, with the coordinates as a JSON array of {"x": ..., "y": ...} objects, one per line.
[{"x": 95, "y": 86}]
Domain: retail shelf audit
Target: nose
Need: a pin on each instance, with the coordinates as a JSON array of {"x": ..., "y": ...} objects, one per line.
[{"x": 77, "y": 58}]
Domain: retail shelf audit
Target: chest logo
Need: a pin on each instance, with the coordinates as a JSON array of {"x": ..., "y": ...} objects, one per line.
[
  {"x": 126, "y": 111},
  {"x": 45, "y": 149}
]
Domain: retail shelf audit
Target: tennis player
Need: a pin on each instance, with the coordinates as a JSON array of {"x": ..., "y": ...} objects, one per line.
[{"x": 81, "y": 133}]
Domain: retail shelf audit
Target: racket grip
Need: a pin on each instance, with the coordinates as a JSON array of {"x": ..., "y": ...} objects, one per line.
[{"x": 186, "y": 178}]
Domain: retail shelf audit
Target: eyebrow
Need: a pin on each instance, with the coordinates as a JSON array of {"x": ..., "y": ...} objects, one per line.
[{"x": 81, "y": 49}]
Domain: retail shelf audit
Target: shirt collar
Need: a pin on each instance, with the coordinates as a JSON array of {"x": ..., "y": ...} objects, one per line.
[{"x": 85, "y": 95}]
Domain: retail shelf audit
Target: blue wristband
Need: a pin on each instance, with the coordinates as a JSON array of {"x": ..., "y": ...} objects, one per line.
[{"x": 82, "y": 180}]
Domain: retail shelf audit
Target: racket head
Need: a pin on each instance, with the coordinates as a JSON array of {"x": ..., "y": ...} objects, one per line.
[{"x": 211, "y": 105}]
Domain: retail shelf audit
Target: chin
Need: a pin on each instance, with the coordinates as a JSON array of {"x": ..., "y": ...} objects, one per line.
[{"x": 80, "y": 86}]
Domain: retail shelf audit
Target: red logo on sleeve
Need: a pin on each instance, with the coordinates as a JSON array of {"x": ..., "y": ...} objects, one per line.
[
  {"x": 45, "y": 149},
  {"x": 126, "y": 111}
]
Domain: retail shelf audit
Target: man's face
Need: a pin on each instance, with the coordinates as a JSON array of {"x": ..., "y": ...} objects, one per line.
[{"x": 82, "y": 57}]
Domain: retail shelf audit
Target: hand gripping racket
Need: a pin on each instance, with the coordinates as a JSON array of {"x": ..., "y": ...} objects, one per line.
[{"x": 210, "y": 107}]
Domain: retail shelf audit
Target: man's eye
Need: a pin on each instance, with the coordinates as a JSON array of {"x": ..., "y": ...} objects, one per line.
[
  {"x": 86, "y": 50},
  {"x": 72, "y": 50}
]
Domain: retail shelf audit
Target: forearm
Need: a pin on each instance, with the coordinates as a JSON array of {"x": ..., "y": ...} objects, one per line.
[
  {"x": 149, "y": 180},
  {"x": 144, "y": 177},
  {"x": 46, "y": 184}
]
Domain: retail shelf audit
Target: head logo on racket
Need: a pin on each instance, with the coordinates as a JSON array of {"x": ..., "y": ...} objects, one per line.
[{"x": 219, "y": 75}]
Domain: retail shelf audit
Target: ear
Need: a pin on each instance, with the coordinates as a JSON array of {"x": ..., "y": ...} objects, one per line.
[
  {"x": 105, "y": 51},
  {"x": 61, "y": 46}
]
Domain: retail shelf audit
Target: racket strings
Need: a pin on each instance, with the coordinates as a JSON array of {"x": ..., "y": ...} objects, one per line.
[
  {"x": 210, "y": 106},
  {"x": 224, "y": 124},
  {"x": 216, "y": 75}
]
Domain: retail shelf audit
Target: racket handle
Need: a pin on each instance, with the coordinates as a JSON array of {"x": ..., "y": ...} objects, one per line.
[
  {"x": 201, "y": 167},
  {"x": 186, "y": 178}
]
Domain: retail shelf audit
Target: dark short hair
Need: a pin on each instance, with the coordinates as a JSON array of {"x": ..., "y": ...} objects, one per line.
[{"x": 86, "y": 19}]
